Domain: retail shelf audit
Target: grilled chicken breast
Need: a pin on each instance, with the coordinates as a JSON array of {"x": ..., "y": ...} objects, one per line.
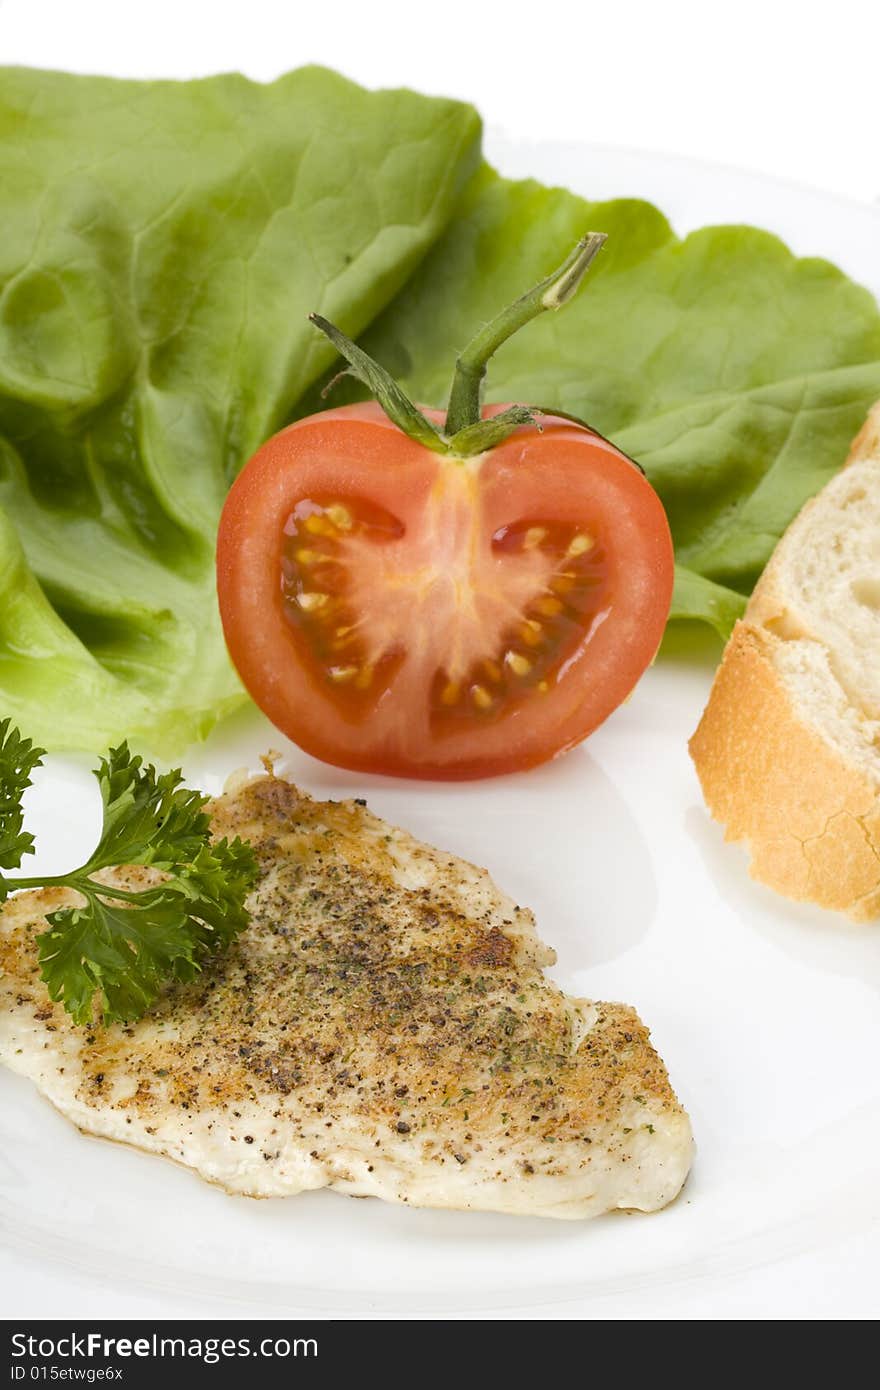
[{"x": 383, "y": 1027}]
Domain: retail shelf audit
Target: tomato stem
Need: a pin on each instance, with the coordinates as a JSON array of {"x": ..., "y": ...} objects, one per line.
[
  {"x": 485, "y": 434},
  {"x": 465, "y": 400},
  {"x": 392, "y": 398},
  {"x": 466, "y": 433}
]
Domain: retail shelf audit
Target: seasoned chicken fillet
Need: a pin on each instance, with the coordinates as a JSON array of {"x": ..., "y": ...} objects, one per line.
[{"x": 383, "y": 1027}]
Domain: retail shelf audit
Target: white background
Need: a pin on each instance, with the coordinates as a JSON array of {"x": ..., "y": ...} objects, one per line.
[{"x": 788, "y": 87}]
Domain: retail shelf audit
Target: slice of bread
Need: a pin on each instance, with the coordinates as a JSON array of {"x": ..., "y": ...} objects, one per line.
[{"x": 788, "y": 749}]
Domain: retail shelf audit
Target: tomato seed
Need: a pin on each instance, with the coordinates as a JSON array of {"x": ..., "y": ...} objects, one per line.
[
  {"x": 311, "y": 601},
  {"x": 580, "y": 544},
  {"x": 519, "y": 664},
  {"x": 550, "y": 607},
  {"x": 340, "y": 516},
  {"x": 364, "y": 679}
]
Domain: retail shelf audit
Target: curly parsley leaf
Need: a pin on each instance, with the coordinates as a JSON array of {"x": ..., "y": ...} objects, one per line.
[
  {"x": 148, "y": 819},
  {"x": 18, "y": 758},
  {"x": 111, "y": 956},
  {"x": 121, "y": 953}
]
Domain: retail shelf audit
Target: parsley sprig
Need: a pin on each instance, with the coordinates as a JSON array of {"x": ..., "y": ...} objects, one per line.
[{"x": 112, "y": 955}]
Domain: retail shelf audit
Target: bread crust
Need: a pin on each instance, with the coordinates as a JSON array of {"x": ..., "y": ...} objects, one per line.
[{"x": 811, "y": 819}]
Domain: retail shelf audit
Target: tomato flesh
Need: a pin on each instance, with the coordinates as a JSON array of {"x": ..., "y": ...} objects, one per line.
[
  {"x": 394, "y": 610},
  {"x": 324, "y": 543}
]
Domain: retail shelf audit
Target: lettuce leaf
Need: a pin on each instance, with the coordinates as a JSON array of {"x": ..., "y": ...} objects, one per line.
[
  {"x": 735, "y": 373},
  {"x": 162, "y": 246}
]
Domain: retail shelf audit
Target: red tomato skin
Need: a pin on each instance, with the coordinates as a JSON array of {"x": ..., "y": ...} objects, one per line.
[{"x": 357, "y": 450}]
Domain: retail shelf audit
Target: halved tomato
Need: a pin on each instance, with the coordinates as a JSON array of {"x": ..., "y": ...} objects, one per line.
[{"x": 395, "y": 610}]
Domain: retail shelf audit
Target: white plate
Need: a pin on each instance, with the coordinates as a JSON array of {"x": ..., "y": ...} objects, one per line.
[{"x": 766, "y": 1013}]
